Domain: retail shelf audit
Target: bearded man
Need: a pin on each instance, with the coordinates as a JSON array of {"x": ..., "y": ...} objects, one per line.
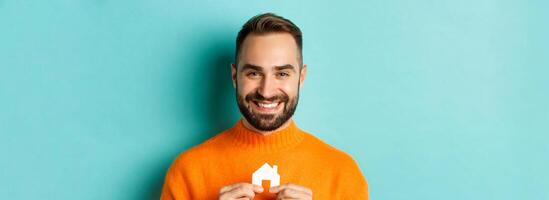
[{"x": 265, "y": 155}]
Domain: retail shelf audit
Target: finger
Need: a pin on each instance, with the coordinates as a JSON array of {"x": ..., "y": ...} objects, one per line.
[
  {"x": 242, "y": 184},
  {"x": 277, "y": 189},
  {"x": 241, "y": 192},
  {"x": 253, "y": 187},
  {"x": 229, "y": 187},
  {"x": 257, "y": 188},
  {"x": 289, "y": 193}
]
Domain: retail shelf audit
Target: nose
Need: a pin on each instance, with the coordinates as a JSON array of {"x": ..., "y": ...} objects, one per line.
[{"x": 267, "y": 88}]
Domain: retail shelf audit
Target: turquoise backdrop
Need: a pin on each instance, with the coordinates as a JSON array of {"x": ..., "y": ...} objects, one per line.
[{"x": 434, "y": 99}]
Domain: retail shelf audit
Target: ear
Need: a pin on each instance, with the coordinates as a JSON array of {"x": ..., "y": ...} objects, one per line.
[
  {"x": 233, "y": 74},
  {"x": 302, "y": 75}
]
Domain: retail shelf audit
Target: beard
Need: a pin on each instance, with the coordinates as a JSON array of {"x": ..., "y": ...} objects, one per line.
[{"x": 266, "y": 122}]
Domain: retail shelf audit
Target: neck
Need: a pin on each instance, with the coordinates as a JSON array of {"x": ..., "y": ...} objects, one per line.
[{"x": 249, "y": 126}]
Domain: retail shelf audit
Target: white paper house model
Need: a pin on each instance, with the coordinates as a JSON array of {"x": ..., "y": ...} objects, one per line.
[{"x": 265, "y": 172}]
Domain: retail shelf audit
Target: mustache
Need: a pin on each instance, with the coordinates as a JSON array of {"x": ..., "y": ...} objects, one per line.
[{"x": 258, "y": 97}]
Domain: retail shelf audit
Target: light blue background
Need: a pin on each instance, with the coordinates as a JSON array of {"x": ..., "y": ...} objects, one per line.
[{"x": 434, "y": 99}]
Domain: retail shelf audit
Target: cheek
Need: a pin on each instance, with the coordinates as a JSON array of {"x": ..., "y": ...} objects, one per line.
[
  {"x": 290, "y": 90},
  {"x": 245, "y": 88}
]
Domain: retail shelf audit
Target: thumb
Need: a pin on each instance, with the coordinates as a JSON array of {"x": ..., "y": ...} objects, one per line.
[
  {"x": 258, "y": 189},
  {"x": 274, "y": 189}
]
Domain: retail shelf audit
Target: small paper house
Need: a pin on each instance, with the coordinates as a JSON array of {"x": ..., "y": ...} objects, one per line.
[{"x": 265, "y": 172}]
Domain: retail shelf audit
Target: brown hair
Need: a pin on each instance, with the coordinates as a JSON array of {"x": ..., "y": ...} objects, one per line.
[{"x": 269, "y": 23}]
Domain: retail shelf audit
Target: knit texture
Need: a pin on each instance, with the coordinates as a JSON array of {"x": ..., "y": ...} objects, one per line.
[{"x": 233, "y": 155}]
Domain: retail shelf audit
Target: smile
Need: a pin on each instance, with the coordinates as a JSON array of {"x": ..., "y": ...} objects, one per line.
[{"x": 267, "y": 106}]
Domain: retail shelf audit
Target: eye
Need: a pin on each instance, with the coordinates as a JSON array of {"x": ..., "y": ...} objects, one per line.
[
  {"x": 252, "y": 74},
  {"x": 283, "y": 74}
]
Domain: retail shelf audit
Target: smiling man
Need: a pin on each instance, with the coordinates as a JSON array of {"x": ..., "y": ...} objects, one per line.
[{"x": 265, "y": 155}]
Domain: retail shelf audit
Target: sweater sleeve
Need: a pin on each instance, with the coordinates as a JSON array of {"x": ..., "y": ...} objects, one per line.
[
  {"x": 356, "y": 187},
  {"x": 175, "y": 187}
]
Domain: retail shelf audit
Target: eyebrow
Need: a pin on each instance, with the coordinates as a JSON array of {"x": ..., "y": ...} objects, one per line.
[
  {"x": 283, "y": 67},
  {"x": 250, "y": 66},
  {"x": 258, "y": 68}
]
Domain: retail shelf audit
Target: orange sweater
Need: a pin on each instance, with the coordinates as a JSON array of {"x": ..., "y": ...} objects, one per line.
[{"x": 235, "y": 154}]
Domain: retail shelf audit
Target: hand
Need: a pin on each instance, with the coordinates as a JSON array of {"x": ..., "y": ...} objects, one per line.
[
  {"x": 239, "y": 191},
  {"x": 292, "y": 191}
]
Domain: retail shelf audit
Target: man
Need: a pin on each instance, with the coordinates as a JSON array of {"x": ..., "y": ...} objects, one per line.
[{"x": 265, "y": 146}]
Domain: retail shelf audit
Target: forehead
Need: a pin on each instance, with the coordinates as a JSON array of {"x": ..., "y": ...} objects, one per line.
[{"x": 269, "y": 50}]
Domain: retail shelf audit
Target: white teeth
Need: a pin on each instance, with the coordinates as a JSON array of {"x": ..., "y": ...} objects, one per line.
[{"x": 267, "y": 105}]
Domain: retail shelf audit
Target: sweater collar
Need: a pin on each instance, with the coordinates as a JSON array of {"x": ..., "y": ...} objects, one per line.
[{"x": 278, "y": 140}]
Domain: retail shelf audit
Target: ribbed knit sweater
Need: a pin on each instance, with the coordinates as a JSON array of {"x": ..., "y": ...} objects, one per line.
[{"x": 233, "y": 155}]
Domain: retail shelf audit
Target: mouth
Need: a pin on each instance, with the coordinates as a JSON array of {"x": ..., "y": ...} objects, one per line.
[{"x": 267, "y": 107}]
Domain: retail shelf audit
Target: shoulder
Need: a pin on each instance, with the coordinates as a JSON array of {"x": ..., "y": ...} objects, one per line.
[
  {"x": 327, "y": 151},
  {"x": 347, "y": 175},
  {"x": 202, "y": 151}
]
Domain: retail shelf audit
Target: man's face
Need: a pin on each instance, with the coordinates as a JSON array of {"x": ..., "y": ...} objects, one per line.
[{"x": 267, "y": 79}]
